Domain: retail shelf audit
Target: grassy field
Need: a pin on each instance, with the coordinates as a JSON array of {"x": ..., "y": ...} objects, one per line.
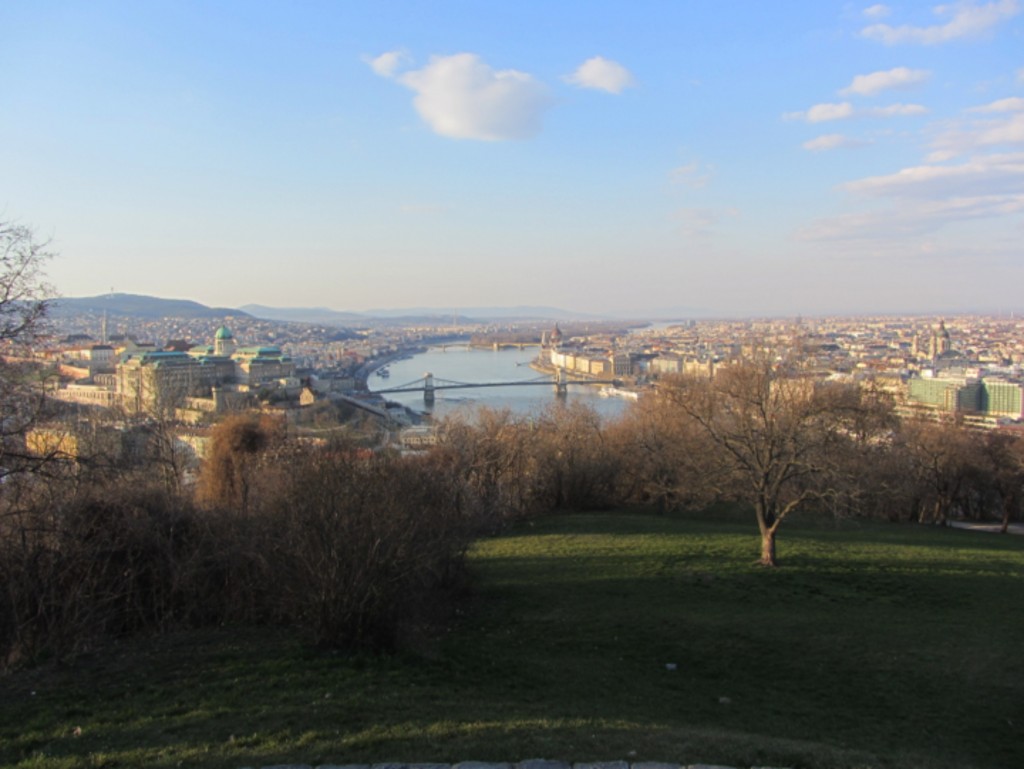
[{"x": 873, "y": 645}]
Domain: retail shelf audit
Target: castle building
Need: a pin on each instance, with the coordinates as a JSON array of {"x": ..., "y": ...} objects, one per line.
[{"x": 148, "y": 380}]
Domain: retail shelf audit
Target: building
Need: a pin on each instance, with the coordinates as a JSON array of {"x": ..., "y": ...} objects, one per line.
[
  {"x": 986, "y": 396},
  {"x": 941, "y": 345},
  {"x": 223, "y": 342},
  {"x": 259, "y": 366},
  {"x": 948, "y": 393},
  {"x": 154, "y": 381},
  {"x": 1002, "y": 398},
  {"x": 148, "y": 380}
]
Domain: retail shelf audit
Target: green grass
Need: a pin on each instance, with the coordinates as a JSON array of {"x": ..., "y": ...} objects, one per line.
[{"x": 873, "y": 645}]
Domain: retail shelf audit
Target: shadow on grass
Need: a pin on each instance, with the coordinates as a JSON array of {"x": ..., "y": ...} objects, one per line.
[{"x": 850, "y": 655}]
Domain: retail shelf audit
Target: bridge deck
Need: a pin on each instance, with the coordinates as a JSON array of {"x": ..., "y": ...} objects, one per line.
[{"x": 409, "y": 388}]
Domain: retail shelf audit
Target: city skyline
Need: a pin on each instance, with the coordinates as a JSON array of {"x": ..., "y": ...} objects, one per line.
[{"x": 817, "y": 158}]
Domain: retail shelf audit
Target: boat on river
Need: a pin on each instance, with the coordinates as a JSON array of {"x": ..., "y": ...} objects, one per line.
[{"x": 618, "y": 392}]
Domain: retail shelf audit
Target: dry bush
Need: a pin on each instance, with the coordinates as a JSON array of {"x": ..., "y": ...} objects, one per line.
[
  {"x": 361, "y": 544},
  {"x": 513, "y": 467},
  {"x": 578, "y": 467},
  {"x": 494, "y": 461},
  {"x": 86, "y": 563},
  {"x": 666, "y": 460},
  {"x": 232, "y": 468}
]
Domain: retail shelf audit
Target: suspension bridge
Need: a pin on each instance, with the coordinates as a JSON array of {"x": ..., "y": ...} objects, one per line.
[{"x": 428, "y": 384}]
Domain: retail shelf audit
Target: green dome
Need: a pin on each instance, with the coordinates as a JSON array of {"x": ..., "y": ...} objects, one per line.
[{"x": 223, "y": 333}]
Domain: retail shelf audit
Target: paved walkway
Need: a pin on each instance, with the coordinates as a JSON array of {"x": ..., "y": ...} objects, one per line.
[
  {"x": 1013, "y": 528},
  {"x": 534, "y": 764}
]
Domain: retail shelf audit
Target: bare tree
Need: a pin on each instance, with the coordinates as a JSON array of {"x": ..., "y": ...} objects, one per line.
[
  {"x": 23, "y": 305},
  {"x": 1002, "y": 459},
  {"x": 775, "y": 436},
  {"x": 576, "y": 468},
  {"x": 944, "y": 456},
  {"x": 24, "y": 292},
  {"x": 664, "y": 454},
  {"x": 494, "y": 457}
]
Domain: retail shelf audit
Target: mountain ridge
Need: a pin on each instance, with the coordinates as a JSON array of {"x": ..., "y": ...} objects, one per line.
[
  {"x": 140, "y": 305},
  {"x": 153, "y": 307}
]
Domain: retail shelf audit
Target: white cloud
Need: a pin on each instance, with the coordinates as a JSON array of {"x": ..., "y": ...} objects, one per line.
[
  {"x": 601, "y": 74},
  {"x": 924, "y": 199},
  {"x": 388, "y": 63},
  {"x": 895, "y": 110},
  {"x": 831, "y": 142},
  {"x": 1009, "y": 131},
  {"x": 700, "y": 222},
  {"x": 984, "y": 175},
  {"x": 695, "y": 222},
  {"x": 877, "y": 11},
  {"x": 1012, "y": 104},
  {"x": 966, "y": 19},
  {"x": 962, "y": 137},
  {"x": 821, "y": 113},
  {"x": 692, "y": 175},
  {"x": 900, "y": 77},
  {"x": 911, "y": 220},
  {"x": 462, "y": 97}
]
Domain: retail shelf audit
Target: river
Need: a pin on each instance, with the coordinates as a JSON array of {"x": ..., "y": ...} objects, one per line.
[{"x": 461, "y": 364}]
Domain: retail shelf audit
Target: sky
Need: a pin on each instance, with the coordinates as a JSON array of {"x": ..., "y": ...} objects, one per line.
[{"x": 642, "y": 157}]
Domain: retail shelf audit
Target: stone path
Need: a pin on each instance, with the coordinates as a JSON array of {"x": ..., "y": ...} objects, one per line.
[
  {"x": 533, "y": 764},
  {"x": 1013, "y": 528}
]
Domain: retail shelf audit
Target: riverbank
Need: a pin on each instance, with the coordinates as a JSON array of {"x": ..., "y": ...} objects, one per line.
[{"x": 379, "y": 363}]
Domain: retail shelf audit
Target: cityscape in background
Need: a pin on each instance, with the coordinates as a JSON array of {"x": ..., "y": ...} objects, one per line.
[
  {"x": 192, "y": 371},
  {"x": 570, "y": 385}
]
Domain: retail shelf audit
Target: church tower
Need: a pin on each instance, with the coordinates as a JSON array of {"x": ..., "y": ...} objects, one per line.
[{"x": 941, "y": 343}]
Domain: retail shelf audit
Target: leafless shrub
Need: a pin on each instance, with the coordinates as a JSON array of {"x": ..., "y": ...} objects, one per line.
[{"x": 89, "y": 563}]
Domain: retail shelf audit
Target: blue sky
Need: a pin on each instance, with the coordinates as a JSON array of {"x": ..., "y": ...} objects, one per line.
[{"x": 740, "y": 158}]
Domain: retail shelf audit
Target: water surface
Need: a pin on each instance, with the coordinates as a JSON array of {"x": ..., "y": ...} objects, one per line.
[{"x": 462, "y": 364}]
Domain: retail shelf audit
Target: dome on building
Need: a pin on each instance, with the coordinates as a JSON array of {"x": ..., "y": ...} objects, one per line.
[{"x": 223, "y": 333}]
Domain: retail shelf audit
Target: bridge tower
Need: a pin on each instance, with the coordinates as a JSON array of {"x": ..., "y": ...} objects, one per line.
[
  {"x": 428, "y": 388},
  {"x": 561, "y": 383}
]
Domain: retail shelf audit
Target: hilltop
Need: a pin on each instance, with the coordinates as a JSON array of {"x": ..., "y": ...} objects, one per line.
[{"x": 140, "y": 306}]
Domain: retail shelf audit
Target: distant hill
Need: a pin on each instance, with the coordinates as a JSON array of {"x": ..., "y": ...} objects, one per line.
[
  {"x": 484, "y": 313},
  {"x": 139, "y": 306},
  {"x": 152, "y": 307},
  {"x": 320, "y": 315},
  {"x": 328, "y": 316}
]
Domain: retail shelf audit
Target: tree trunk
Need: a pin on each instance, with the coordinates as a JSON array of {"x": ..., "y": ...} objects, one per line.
[
  {"x": 1008, "y": 504},
  {"x": 768, "y": 547}
]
